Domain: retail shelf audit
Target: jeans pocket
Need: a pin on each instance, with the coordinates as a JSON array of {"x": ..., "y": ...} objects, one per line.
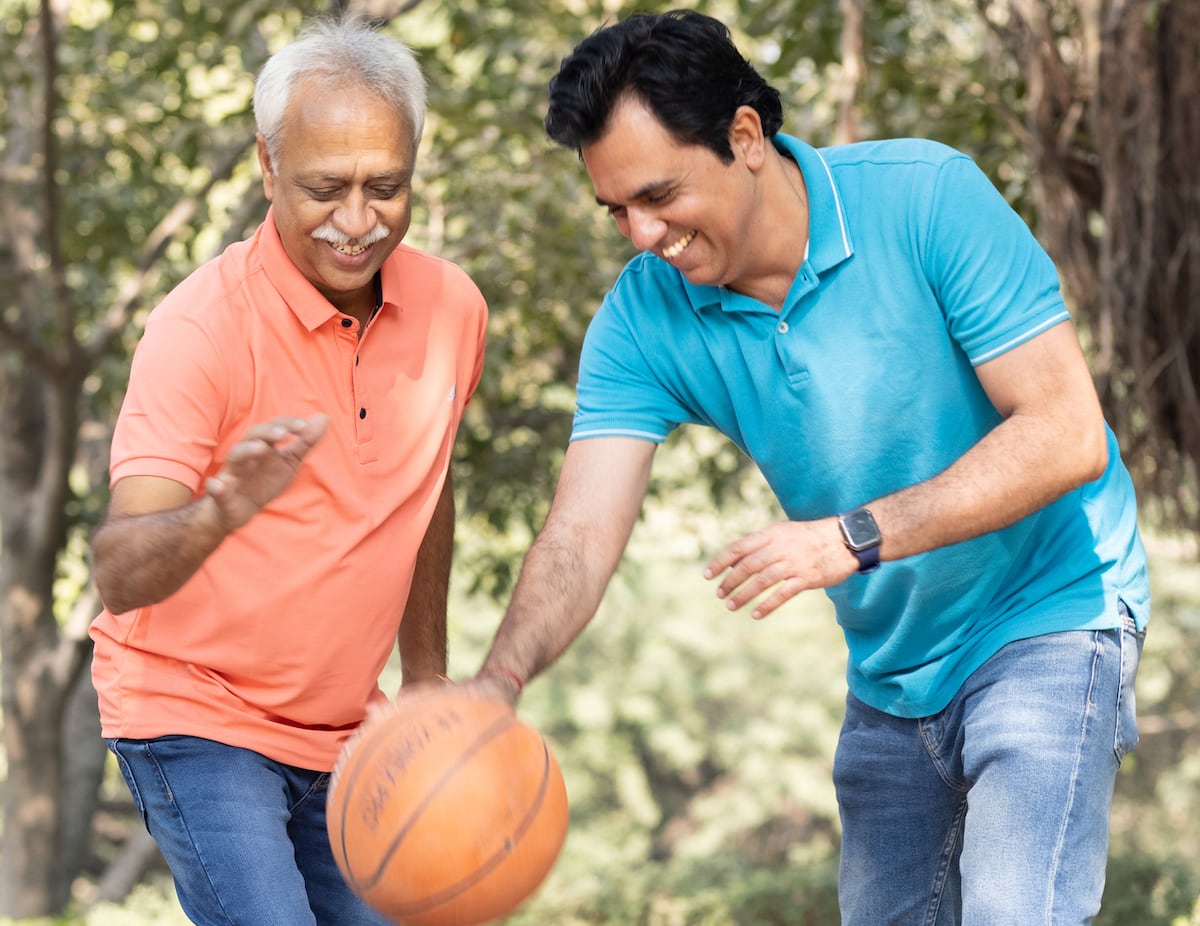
[
  {"x": 1130, "y": 640},
  {"x": 114, "y": 746}
]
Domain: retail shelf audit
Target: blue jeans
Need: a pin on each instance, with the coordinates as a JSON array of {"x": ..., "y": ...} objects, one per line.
[
  {"x": 244, "y": 836},
  {"x": 995, "y": 811}
]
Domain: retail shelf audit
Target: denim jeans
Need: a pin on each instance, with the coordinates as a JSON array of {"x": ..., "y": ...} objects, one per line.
[
  {"x": 244, "y": 836},
  {"x": 995, "y": 811}
]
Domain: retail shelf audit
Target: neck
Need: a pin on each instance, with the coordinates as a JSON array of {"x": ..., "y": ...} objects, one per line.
[
  {"x": 798, "y": 194},
  {"x": 361, "y": 304},
  {"x": 786, "y": 227}
]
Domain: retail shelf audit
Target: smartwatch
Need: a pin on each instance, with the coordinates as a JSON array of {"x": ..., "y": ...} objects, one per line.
[{"x": 862, "y": 537}]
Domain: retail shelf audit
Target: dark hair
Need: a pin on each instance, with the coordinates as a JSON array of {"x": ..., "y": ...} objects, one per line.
[{"x": 682, "y": 65}]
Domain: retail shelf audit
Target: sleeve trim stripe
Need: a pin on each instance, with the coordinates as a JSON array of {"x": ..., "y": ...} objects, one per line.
[
  {"x": 619, "y": 432},
  {"x": 1023, "y": 336}
]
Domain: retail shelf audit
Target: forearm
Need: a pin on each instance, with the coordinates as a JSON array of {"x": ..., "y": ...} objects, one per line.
[
  {"x": 567, "y": 569},
  {"x": 560, "y": 587},
  {"x": 422, "y": 636},
  {"x": 139, "y": 560},
  {"x": 1051, "y": 439},
  {"x": 157, "y": 535},
  {"x": 1021, "y": 466}
]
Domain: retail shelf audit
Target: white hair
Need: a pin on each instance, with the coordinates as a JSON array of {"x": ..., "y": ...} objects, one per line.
[{"x": 339, "y": 53}]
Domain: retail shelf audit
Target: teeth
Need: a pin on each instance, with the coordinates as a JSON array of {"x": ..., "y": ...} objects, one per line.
[
  {"x": 677, "y": 248},
  {"x": 350, "y": 250}
]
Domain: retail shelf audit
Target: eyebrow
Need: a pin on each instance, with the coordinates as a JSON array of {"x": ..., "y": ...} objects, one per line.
[
  {"x": 647, "y": 190},
  {"x": 340, "y": 178}
]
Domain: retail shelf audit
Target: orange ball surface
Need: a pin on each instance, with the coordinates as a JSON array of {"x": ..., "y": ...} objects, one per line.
[{"x": 446, "y": 810}]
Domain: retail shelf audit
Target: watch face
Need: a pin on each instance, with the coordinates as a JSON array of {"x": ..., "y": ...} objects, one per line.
[{"x": 860, "y": 529}]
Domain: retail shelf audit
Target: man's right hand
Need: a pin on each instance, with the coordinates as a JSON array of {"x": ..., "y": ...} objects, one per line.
[
  {"x": 261, "y": 465},
  {"x": 157, "y": 534}
]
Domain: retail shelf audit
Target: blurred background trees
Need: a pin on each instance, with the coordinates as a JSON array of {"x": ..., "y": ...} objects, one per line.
[{"x": 127, "y": 159}]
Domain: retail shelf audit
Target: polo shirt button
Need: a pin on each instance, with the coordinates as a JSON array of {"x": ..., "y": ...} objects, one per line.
[
  {"x": 346, "y": 322},
  {"x": 783, "y": 328},
  {"x": 362, "y": 413}
]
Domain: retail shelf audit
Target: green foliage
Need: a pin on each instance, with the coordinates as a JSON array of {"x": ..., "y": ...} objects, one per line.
[
  {"x": 518, "y": 214},
  {"x": 1149, "y": 890},
  {"x": 152, "y": 95},
  {"x": 697, "y": 748},
  {"x": 697, "y": 744}
]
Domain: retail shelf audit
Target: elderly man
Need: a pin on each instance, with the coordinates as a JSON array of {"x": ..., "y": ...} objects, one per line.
[{"x": 281, "y": 499}]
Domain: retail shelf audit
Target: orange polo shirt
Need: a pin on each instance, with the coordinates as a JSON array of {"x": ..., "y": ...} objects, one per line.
[{"x": 277, "y": 642}]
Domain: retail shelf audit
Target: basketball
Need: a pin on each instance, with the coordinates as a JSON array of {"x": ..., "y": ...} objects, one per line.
[{"x": 446, "y": 810}]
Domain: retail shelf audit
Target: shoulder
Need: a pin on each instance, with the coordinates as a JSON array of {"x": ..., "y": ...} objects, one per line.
[
  {"x": 896, "y": 170},
  {"x": 645, "y": 313},
  {"x": 216, "y": 285},
  {"x": 893, "y": 152},
  {"x": 911, "y": 179},
  {"x": 410, "y": 269}
]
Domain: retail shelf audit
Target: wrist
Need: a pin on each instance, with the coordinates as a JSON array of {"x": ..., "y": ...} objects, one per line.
[
  {"x": 508, "y": 675},
  {"x": 212, "y": 518}
]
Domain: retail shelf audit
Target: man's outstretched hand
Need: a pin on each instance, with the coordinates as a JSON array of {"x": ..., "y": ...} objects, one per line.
[{"x": 261, "y": 465}]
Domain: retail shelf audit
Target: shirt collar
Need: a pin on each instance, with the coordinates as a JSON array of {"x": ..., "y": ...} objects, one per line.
[
  {"x": 829, "y": 230},
  {"x": 305, "y": 300}
]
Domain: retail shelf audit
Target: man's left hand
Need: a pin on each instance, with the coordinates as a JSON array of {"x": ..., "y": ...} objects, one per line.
[{"x": 784, "y": 559}]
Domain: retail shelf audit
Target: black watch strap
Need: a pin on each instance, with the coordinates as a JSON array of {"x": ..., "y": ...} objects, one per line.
[{"x": 868, "y": 559}]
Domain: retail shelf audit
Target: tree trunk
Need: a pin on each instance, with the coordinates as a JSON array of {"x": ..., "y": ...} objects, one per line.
[
  {"x": 1114, "y": 135},
  {"x": 55, "y": 755},
  {"x": 38, "y": 666},
  {"x": 84, "y": 759},
  {"x": 852, "y": 73},
  {"x": 1147, "y": 128}
]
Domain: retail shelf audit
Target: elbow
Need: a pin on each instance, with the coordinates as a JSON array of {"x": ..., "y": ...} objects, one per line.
[
  {"x": 110, "y": 593},
  {"x": 102, "y": 577},
  {"x": 108, "y": 580},
  {"x": 1099, "y": 455},
  {"x": 1092, "y": 454}
]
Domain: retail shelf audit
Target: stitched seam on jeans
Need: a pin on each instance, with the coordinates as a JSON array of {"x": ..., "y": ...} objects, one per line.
[
  {"x": 931, "y": 744},
  {"x": 1088, "y": 707},
  {"x": 945, "y": 860},
  {"x": 187, "y": 829}
]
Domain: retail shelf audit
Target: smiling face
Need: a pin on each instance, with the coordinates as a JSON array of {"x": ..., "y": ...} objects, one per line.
[
  {"x": 341, "y": 189},
  {"x": 679, "y": 201}
]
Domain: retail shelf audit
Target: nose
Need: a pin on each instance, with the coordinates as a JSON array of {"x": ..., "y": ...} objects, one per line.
[
  {"x": 645, "y": 228},
  {"x": 354, "y": 216}
]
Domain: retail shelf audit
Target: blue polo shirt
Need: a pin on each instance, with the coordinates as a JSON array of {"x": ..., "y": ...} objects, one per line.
[{"x": 864, "y": 384}]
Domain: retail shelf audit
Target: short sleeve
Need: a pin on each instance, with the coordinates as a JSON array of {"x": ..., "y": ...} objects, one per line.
[
  {"x": 619, "y": 394},
  {"x": 995, "y": 282},
  {"x": 177, "y": 397}
]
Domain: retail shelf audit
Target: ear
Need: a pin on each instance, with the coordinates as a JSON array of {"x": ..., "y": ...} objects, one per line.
[
  {"x": 746, "y": 137},
  {"x": 268, "y": 170}
]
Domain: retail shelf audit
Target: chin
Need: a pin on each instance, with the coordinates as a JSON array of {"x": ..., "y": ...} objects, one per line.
[{"x": 698, "y": 276}]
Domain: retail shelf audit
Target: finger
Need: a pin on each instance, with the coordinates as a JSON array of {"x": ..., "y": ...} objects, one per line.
[
  {"x": 746, "y": 570},
  {"x": 218, "y": 490},
  {"x": 315, "y": 426},
  {"x": 307, "y": 436},
  {"x": 248, "y": 449},
  {"x": 275, "y": 430},
  {"x": 784, "y": 592},
  {"x": 754, "y": 586},
  {"x": 733, "y": 554}
]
